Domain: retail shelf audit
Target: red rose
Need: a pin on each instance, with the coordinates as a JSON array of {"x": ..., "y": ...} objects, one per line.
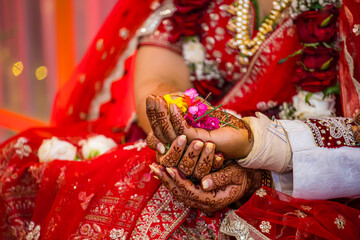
[
  {"x": 315, "y": 81},
  {"x": 320, "y": 58},
  {"x": 309, "y": 25},
  {"x": 188, "y": 18}
]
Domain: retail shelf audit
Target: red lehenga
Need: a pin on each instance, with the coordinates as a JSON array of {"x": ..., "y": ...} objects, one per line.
[{"x": 114, "y": 196}]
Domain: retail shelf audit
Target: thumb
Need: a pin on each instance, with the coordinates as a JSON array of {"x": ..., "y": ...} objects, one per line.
[{"x": 230, "y": 175}]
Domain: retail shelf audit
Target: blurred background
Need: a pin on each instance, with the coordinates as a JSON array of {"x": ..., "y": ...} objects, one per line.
[{"x": 41, "y": 41}]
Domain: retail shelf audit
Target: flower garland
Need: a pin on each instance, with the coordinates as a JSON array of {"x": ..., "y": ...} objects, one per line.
[
  {"x": 196, "y": 111},
  {"x": 316, "y": 72}
]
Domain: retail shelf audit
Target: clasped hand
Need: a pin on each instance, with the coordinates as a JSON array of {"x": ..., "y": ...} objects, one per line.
[{"x": 193, "y": 152}]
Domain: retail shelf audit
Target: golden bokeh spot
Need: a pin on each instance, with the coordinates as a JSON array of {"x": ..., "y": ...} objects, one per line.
[
  {"x": 17, "y": 68},
  {"x": 41, "y": 73}
]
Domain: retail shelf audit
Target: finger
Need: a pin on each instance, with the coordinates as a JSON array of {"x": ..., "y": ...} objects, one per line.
[
  {"x": 203, "y": 166},
  {"x": 230, "y": 175},
  {"x": 208, "y": 201},
  {"x": 357, "y": 117},
  {"x": 356, "y": 133},
  {"x": 180, "y": 125},
  {"x": 163, "y": 116},
  {"x": 218, "y": 161},
  {"x": 152, "y": 141},
  {"x": 155, "y": 118},
  {"x": 188, "y": 161},
  {"x": 173, "y": 156}
]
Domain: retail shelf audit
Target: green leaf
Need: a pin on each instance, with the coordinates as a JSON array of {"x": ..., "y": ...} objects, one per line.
[
  {"x": 326, "y": 64},
  {"x": 227, "y": 117},
  {"x": 326, "y": 45},
  {"x": 326, "y": 21},
  {"x": 314, "y": 45},
  {"x": 307, "y": 98},
  {"x": 298, "y": 52},
  {"x": 228, "y": 124},
  {"x": 304, "y": 66},
  {"x": 332, "y": 90},
  {"x": 208, "y": 112},
  {"x": 77, "y": 158},
  {"x": 316, "y": 6},
  {"x": 93, "y": 153}
]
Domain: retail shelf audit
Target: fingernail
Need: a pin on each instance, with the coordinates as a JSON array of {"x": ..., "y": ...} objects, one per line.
[
  {"x": 181, "y": 174},
  {"x": 207, "y": 183},
  {"x": 171, "y": 107},
  {"x": 198, "y": 145},
  {"x": 156, "y": 178},
  {"x": 181, "y": 140},
  {"x": 156, "y": 171},
  {"x": 171, "y": 172},
  {"x": 209, "y": 148},
  {"x": 161, "y": 148}
]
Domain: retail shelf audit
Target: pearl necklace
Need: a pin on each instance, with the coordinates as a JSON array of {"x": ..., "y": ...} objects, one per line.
[{"x": 239, "y": 25}]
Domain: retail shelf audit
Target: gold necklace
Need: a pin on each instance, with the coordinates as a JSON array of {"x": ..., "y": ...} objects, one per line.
[{"x": 239, "y": 26}]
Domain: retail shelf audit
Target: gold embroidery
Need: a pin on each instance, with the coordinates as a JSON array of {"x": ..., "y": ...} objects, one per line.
[
  {"x": 261, "y": 192},
  {"x": 117, "y": 234},
  {"x": 340, "y": 222},
  {"x": 34, "y": 232},
  {"x": 21, "y": 148},
  {"x": 265, "y": 226},
  {"x": 306, "y": 208},
  {"x": 300, "y": 214},
  {"x": 235, "y": 226}
]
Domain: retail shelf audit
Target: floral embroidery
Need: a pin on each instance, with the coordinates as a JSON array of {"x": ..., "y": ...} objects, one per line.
[
  {"x": 261, "y": 192},
  {"x": 21, "y": 148},
  {"x": 117, "y": 234},
  {"x": 265, "y": 226},
  {"x": 356, "y": 29},
  {"x": 34, "y": 232},
  {"x": 340, "y": 222},
  {"x": 235, "y": 226},
  {"x": 138, "y": 145},
  {"x": 332, "y": 132},
  {"x": 300, "y": 214},
  {"x": 85, "y": 200},
  {"x": 306, "y": 208}
]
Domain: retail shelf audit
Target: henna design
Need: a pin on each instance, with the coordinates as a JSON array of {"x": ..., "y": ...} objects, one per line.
[
  {"x": 239, "y": 123},
  {"x": 218, "y": 164},
  {"x": 151, "y": 113},
  {"x": 152, "y": 141},
  {"x": 209, "y": 204},
  {"x": 357, "y": 118},
  {"x": 172, "y": 157},
  {"x": 177, "y": 122},
  {"x": 186, "y": 165},
  {"x": 232, "y": 174},
  {"x": 203, "y": 168},
  {"x": 356, "y": 133}
]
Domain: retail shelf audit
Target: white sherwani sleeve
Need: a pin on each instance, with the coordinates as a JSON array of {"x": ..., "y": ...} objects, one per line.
[{"x": 318, "y": 172}]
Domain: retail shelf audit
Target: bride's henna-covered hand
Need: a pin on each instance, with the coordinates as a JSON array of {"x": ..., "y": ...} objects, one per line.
[
  {"x": 158, "y": 115},
  {"x": 192, "y": 195},
  {"x": 233, "y": 142},
  {"x": 197, "y": 161}
]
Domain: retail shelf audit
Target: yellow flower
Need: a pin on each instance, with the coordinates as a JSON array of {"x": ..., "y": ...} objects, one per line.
[{"x": 178, "y": 102}]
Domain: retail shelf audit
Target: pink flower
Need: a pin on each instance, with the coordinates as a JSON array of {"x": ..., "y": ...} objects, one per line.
[
  {"x": 193, "y": 110},
  {"x": 192, "y": 93},
  {"x": 213, "y": 123},
  {"x": 202, "y": 108}
]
